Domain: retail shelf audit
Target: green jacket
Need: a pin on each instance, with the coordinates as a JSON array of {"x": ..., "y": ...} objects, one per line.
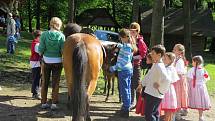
[{"x": 51, "y": 44}]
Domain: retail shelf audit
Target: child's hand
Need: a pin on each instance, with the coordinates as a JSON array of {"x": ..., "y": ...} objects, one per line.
[
  {"x": 112, "y": 69},
  {"x": 139, "y": 88},
  {"x": 132, "y": 40},
  {"x": 156, "y": 85}
]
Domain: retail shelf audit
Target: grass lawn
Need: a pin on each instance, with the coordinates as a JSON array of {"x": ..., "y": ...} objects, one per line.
[{"x": 20, "y": 61}]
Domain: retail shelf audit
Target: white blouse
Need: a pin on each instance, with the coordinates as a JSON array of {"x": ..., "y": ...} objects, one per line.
[
  {"x": 172, "y": 73},
  {"x": 180, "y": 66},
  {"x": 157, "y": 74},
  {"x": 201, "y": 75}
]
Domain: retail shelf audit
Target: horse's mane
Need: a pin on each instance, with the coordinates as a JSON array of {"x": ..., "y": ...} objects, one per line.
[
  {"x": 71, "y": 28},
  {"x": 88, "y": 31}
]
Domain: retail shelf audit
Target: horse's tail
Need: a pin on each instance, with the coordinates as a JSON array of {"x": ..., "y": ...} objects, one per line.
[{"x": 79, "y": 95}]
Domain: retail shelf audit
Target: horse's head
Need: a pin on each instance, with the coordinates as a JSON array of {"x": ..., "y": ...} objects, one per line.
[{"x": 111, "y": 55}]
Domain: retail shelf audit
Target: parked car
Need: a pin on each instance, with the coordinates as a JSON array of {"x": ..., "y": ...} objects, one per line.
[{"x": 107, "y": 35}]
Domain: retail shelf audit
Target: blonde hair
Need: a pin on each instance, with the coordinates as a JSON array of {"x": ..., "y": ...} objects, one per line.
[
  {"x": 171, "y": 56},
  {"x": 181, "y": 48},
  {"x": 124, "y": 33},
  {"x": 135, "y": 25},
  {"x": 56, "y": 23}
]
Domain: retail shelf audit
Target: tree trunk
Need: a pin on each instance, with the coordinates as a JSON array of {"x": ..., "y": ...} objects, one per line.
[
  {"x": 187, "y": 29},
  {"x": 11, "y": 5},
  {"x": 135, "y": 15},
  {"x": 157, "y": 30},
  {"x": 114, "y": 13},
  {"x": 71, "y": 11},
  {"x": 167, "y": 3},
  {"x": 29, "y": 16},
  {"x": 193, "y": 5},
  {"x": 212, "y": 46},
  {"x": 38, "y": 15},
  {"x": 50, "y": 12}
]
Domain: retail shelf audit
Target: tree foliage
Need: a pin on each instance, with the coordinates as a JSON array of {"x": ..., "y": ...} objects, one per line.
[{"x": 59, "y": 8}]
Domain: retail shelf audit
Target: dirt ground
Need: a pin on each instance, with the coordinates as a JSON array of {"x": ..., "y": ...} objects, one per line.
[{"x": 16, "y": 104}]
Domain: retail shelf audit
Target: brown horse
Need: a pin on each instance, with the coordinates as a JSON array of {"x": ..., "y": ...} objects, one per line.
[
  {"x": 110, "y": 60},
  {"x": 82, "y": 59}
]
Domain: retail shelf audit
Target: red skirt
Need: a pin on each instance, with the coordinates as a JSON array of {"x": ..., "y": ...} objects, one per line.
[{"x": 140, "y": 106}]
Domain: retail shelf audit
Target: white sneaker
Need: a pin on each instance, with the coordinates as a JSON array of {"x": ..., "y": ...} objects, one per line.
[
  {"x": 177, "y": 116},
  {"x": 36, "y": 96},
  {"x": 54, "y": 107},
  {"x": 184, "y": 112},
  {"x": 201, "y": 119},
  {"x": 45, "y": 106}
]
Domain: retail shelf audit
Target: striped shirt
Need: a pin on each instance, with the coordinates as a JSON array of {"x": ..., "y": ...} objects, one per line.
[{"x": 124, "y": 58}]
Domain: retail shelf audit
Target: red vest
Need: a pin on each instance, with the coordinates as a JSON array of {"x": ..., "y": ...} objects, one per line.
[{"x": 34, "y": 56}]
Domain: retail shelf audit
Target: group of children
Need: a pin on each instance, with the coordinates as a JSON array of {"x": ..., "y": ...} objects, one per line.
[
  {"x": 167, "y": 85},
  {"x": 185, "y": 89}
]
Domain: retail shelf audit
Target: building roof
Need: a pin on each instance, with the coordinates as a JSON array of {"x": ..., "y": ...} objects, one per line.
[
  {"x": 97, "y": 16},
  {"x": 202, "y": 23},
  {"x": 4, "y": 5}
]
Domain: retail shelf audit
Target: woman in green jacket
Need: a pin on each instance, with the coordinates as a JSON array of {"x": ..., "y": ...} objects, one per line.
[{"x": 51, "y": 46}]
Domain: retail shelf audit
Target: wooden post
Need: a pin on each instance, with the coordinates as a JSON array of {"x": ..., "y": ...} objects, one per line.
[
  {"x": 187, "y": 29},
  {"x": 157, "y": 30}
]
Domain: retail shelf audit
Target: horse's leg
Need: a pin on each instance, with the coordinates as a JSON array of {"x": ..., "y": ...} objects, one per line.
[
  {"x": 105, "y": 86},
  {"x": 67, "y": 54},
  {"x": 68, "y": 71},
  {"x": 88, "y": 109},
  {"x": 108, "y": 86},
  {"x": 92, "y": 76},
  {"x": 112, "y": 79},
  {"x": 92, "y": 86}
]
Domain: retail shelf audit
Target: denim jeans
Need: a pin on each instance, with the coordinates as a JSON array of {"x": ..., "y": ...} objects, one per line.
[
  {"x": 125, "y": 88},
  {"x": 36, "y": 80},
  {"x": 10, "y": 47}
]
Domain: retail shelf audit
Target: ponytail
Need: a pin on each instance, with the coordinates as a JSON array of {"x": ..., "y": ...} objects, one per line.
[{"x": 194, "y": 76}]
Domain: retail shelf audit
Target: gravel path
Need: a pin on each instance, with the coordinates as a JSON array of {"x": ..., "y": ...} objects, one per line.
[{"x": 17, "y": 105}]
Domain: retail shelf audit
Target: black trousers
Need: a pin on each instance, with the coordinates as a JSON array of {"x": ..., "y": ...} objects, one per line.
[
  {"x": 36, "y": 80},
  {"x": 134, "y": 82},
  {"x": 51, "y": 70},
  {"x": 152, "y": 108}
]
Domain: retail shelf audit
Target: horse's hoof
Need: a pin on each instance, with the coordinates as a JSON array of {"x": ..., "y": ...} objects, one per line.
[
  {"x": 88, "y": 119},
  {"x": 106, "y": 99}
]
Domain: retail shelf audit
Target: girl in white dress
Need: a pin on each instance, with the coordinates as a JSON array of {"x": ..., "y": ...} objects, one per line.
[
  {"x": 198, "y": 94},
  {"x": 169, "y": 103},
  {"x": 181, "y": 86}
]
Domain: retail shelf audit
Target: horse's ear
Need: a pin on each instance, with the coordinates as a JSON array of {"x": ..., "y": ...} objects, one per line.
[{"x": 106, "y": 46}]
